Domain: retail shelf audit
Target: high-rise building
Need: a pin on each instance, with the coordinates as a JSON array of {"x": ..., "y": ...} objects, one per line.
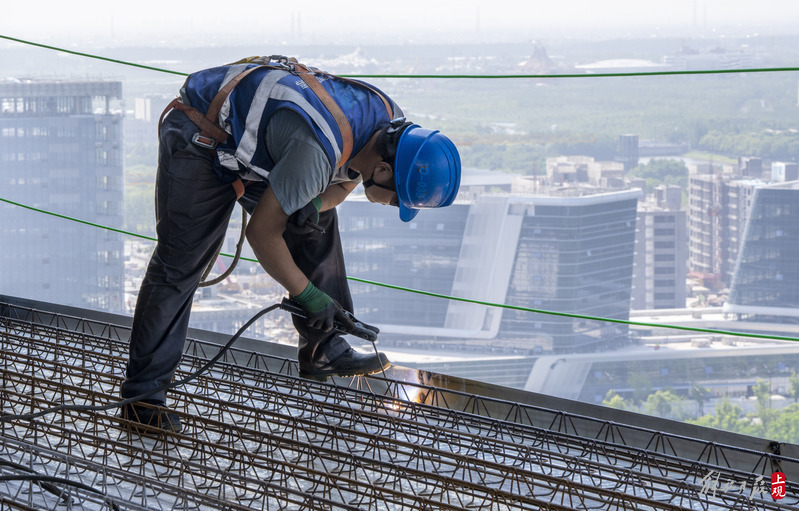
[
  {"x": 142, "y": 126},
  {"x": 61, "y": 150},
  {"x": 750, "y": 166},
  {"x": 718, "y": 208},
  {"x": 570, "y": 252},
  {"x": 661, "y": 251},
  {"x": 765, "y": 286},
  {"x": 739, "y": 206},
  {"x": 585, "y": 169},
  {"x": 784, "y": 171},
  {"x": 628, "y": 151}
]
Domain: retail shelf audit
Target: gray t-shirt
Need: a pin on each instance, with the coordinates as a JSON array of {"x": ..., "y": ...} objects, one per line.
[{"x": 302, "y": 170}]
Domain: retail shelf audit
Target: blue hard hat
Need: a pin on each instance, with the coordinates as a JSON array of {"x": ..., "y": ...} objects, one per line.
[{"x": 427, "y": 171}]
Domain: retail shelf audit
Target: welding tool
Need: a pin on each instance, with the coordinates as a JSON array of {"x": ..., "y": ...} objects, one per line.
[
  {"x": 306, "y": 217},
  {"x": 362, "y": 330},
  {"x": 315, "y": 227}
]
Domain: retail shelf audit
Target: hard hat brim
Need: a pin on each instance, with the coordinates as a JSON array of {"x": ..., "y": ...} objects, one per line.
[{"x": 407, "y": 214}]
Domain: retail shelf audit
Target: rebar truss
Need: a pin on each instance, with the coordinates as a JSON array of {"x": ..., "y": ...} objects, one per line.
[{"x": 256, "y": 436}]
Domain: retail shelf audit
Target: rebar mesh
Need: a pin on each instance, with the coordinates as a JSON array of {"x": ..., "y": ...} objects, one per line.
[{"x": 258, "y": 437}]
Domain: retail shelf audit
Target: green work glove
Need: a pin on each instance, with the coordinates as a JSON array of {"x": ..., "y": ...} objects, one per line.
[
  {"x": 308, "y": 212},
  {"x": 321, "y": 311}
]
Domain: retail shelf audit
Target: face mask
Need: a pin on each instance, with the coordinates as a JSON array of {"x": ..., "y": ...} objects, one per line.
[{"x": 371, "y": 182}]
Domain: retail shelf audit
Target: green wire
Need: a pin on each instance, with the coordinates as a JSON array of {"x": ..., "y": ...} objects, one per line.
[
  {"x": 576, "y": 316},
  {"x": 588, "y": 75},
  {"x": 416, "y": 291},
  {"x": 438, "y": 295},
  {"x": 442, "y": 76},
  {"x": 89, "y": 55},
  {"x": 65, "y": 217}
]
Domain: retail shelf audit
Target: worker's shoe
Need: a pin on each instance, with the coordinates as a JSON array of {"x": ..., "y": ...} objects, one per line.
[
  {"x": 152, "y": 413},
  {"x": 349, "y": 363}
]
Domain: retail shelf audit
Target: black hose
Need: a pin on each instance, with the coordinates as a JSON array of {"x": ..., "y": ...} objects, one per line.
[
  {"x": 123, "y": 402},
  {"x": 46, "y": 481}
]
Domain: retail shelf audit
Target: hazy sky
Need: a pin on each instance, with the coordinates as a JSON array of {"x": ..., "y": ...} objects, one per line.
[{"x": 154, "y": 22}]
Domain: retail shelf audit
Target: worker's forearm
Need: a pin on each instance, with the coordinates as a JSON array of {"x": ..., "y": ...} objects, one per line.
[
  {"x": 275, "y": 258},
  {"x": 334, "y": 195},
  {"x": 265, "y": 235}
]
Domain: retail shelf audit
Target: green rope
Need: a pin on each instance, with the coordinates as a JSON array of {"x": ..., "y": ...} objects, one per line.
[
  {"x": 576, "y": 316},
  {"x": 73, "y": 219},
  {"x": 445, "y": 76},
  {"x": 443, "y": 296},
  {"x": 89, "y": 55},
  {"x": 450, "y": 76},
  {"x": 587, "y": 75}
]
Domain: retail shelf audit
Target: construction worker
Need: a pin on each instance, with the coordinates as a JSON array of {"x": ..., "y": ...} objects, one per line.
[{"x": 301, "y": 141}]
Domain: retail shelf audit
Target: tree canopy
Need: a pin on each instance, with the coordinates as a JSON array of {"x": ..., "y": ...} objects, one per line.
[{"x": 780, "y": 425}]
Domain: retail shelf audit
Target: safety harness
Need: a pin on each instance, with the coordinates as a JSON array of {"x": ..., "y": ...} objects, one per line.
[{"x": 211, "y": 133}]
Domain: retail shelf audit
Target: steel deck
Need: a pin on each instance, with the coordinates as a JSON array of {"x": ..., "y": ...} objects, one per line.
[{"x": 256, "y": 436}]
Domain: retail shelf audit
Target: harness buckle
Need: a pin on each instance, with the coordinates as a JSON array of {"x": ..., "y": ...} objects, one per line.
[
  {"x": 282, "y": 61},
  {"x": 200, "y": 140}
]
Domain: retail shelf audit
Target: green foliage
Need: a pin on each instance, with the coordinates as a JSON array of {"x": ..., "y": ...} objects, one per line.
[
  {"x": 521, "y": 158},
  {"x": 613, "y": 400},
  {"x": 769, "y": 423},
  {"x": 728, "y": 417},
  {"x": 768, "y": 144},
  {"x": 662, "y": 171},
  {"x": 793, "y": 379},
  {"x": 715, "y": 158},
  {"x": 700, "y": 395},
  {"x": 784, "y": 426},
  {"x": 601, "y": 148},
  {"x": 139, "y": 210},
  {"x": 762, "y": 391},
  {"x": 732, "y": 115},
  {"x": 641, "y": 385},
  {"x": 141, "y": 154},
  {"x": 772, "y": 424},
  {"x": 665, "y": 403}
]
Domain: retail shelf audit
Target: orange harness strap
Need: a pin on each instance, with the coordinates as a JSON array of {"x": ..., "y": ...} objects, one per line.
[
  {"x": 209, "y": 130},
  {"x": 211, "y": 133},
  {"x": 224, "y": 92},
  {"x": 344, "y": 127}
]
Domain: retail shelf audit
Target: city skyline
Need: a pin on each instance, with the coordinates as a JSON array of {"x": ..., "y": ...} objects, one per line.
[
  {"x": 150, "y": 23},
  {"x": 554, "y": 125}
]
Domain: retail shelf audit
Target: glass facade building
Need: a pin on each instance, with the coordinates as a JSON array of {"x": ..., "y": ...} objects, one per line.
[
  {"x": 61, "y": 150},
  {"x": 575, "y": 256},
  {"x": 420, "y": 255},
  {"x": 765, "y": 285},
  {"x": 570, "y": 253}
]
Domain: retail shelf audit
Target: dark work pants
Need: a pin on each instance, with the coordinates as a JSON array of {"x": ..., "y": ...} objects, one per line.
[{"x": 192, "y": 208}]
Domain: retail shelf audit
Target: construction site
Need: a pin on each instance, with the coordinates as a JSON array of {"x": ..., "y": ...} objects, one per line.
[
  {"x": 515, "y": 420},
  {"x": 256, "y": 436}
]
